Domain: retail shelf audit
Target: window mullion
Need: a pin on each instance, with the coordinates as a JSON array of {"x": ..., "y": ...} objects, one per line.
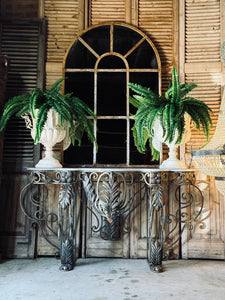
[
  {"x": 128, "y": 119},
  {"x": 95, "y": 112}
]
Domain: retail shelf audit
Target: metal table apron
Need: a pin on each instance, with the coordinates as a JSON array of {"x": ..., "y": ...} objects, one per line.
[{"x": 155, "y": 181}]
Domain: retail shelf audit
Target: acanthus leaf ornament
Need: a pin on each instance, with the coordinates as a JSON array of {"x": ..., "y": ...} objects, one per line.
[{"x": 65, "y": 194}]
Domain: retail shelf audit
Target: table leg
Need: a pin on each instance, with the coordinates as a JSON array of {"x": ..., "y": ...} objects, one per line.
[
  {"x": 156, "y": 213},
  {"x": 67, "y": 231},
  {"x": 155, "y": 231}
]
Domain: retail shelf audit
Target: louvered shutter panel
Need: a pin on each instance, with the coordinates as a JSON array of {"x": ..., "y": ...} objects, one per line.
[
  {"x": 156, "y": 18},
  {"x": 63, "y": 20},
  {"x": 202, "y": 58},
  {"x": 104, "y": 10},
  {"x": 201, "y": 64},
  {"x": 22, "y": 42}
]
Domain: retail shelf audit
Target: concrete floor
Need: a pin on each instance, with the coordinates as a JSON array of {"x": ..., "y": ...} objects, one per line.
[{"x": 110, "y": 279}]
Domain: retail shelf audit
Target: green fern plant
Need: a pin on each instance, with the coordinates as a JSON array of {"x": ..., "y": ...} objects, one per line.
[
  {"x": 170, "y": 109},
  {"x": 69, "y": 108}
]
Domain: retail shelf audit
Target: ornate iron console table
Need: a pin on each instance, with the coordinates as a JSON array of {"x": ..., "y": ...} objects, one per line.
[{"x": 110, "y": 193}]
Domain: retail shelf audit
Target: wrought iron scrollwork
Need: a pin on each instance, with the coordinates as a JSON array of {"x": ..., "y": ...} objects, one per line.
[
  {"x": 190, "y": 203},
  {"x": 113, "y": 196},
  {"x": 33, "y": 200},
  {"x": 112, "y": 201},
  {"x": 32, "y": 203},
  {"x": 94, "y": 198}
]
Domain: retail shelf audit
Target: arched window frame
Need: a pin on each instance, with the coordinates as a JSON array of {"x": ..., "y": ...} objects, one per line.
[{"x": 96, "y": 70}]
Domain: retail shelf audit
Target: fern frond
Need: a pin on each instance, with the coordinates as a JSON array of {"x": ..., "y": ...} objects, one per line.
[
  {"x": 194, "y": 116},
  {"x": 17, "y": 101},
  {"x": 150, "y": 120},
  {"x": 175, "y": 86},
  {"x": 23, "y": 111},
  {"x": 168, "y": 93},
  {"x": 77, "y": 102},
  {"x": 141, "y": 90},
  {"x": 180, "y": 128},
  {"x": 136, "y": 140},
  {"x": 56, "y": 86},
  {"x": 140, "y": 125},
  {"x": 5, "y": 118},
  {"x": 134, "y": 102},
  {"x": 165, "y": 119},
  {"x": 155, "y": 153},
  {"x": 13, "y": 107},
  {"x": 41, "y": 119},
  {"x": 186, "y": 88}
]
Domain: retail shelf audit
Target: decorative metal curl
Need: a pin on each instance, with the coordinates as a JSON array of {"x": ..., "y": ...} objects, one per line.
[
  {"x": 93, "y": 198},
  {"x": 185, "y": 178},
  {"x": 112, "y": 199},
  {"x": 38, "y": 215},
  {"x": 182, "y": 218}
]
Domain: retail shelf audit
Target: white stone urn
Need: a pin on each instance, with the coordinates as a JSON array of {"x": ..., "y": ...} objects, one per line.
[
  {"x": 52, "y": 133},
  {"x": 172, "y": 163}
]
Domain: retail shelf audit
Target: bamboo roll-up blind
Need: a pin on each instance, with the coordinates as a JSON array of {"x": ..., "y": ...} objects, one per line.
[{"x": 202, "y": 58}]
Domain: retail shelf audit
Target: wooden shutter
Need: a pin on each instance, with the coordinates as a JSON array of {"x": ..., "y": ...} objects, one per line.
[
  {"x": 158, "y": 19},
  {"x": 202, "y": 63},
  {"x": 64, "y": 22},
  {"x": 200, "y": 40},
  {"x": 23, "y": 42},
  {"x": 105, "y": 10}
]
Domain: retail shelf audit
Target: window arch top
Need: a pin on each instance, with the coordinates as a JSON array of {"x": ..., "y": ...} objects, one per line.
[
  {"x": 114, "y": 38},
  {"x": 111, "y": 61}
]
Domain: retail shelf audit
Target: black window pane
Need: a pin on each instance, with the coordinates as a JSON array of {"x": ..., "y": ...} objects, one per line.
[
  {"x": 82, "y": 155},
  {"x": 80, "y": 57},
  {"x": 111, "y": 94},
  {"x": 111, "y": 62},
  {"x": 98, "y": 38},
  {"x": 81, "y": 84},
  {"x": 143, "y": 57},
  {"x": 147, "y": 79},
  {"x": 137, "y": 158},
  {"x": 124, "y": 39},
  {"x": 111, "y": 139}
]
